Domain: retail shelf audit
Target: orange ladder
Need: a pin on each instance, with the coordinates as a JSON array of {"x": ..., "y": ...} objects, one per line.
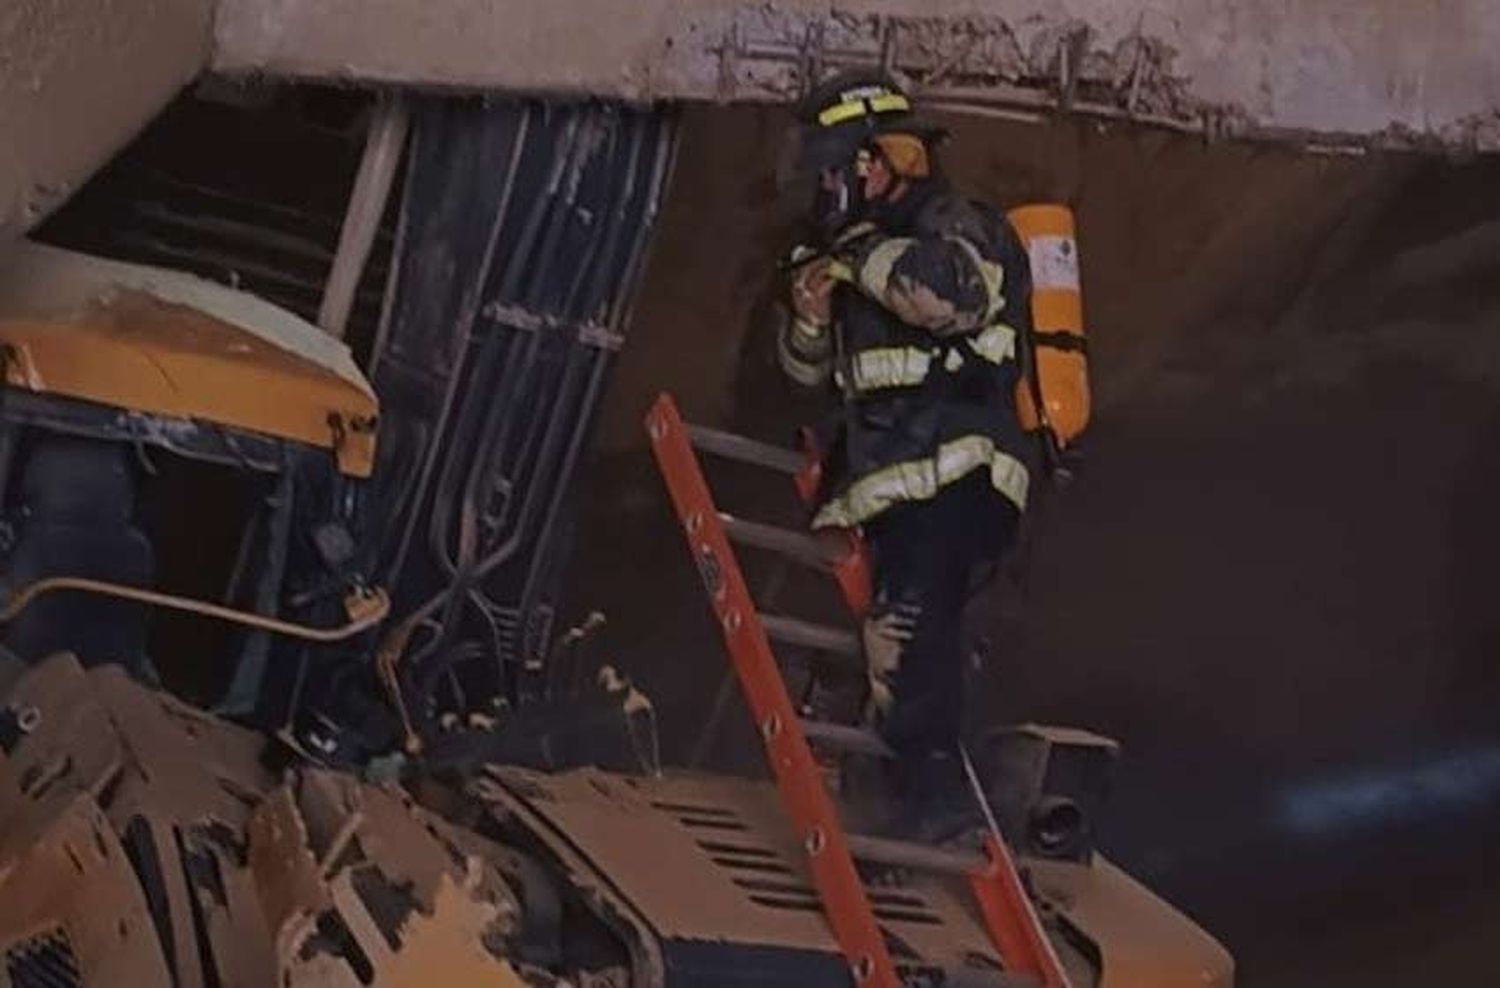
[{"x": 1006, "y": 910}]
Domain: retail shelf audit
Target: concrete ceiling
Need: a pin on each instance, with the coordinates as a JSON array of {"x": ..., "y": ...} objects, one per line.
[
  {"x": 78, "y": 78},
  {"x": 1395, "y": 68}
]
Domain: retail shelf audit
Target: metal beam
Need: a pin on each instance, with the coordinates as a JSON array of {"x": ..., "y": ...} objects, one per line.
[{"x": 367, "y": 204}]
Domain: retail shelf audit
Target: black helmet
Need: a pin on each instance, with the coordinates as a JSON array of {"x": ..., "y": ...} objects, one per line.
[{"x": 843, "y": 113}]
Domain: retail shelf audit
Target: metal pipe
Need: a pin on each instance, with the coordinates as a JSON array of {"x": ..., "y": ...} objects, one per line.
[
  {"x": 581, "y": 423},
  {"x": 505, "y": 551},
  {"x": 468, "y": 311},
  {"x": 378, "y": 605},
  {"x": 606, "y": 247},
  {"x": 372, "y": 189},
  {"x": 571, "y": 163},
  {"x": 393, "y": 269},
  {"x": 572, "y": 155},
  {"x": 245, "y": 685},
  {"x": 545, "y": 461},
  {"x": 661, "y": 178}
]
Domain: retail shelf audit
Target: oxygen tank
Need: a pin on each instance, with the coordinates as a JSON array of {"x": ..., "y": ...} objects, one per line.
[{"x": 1061, "y": 360}]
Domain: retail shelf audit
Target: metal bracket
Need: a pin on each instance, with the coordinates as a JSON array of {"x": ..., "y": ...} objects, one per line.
[{"x": 589, "y": 333}]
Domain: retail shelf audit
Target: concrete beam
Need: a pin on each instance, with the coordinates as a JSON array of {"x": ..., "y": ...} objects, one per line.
[
  {"x": 78, "y": 79},
  {"x": 1384, "y": 71}
]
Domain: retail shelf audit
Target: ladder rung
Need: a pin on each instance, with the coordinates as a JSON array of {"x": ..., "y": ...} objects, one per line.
[
  {"x": 918, "y": 857},
  {"x": 856, "y": 740},
  {"x": 797, "y": 545},
  {"x": 733, "y": 447},
  {"x": 1008, "y": 915},
  {"x": 819, "y": 637}
]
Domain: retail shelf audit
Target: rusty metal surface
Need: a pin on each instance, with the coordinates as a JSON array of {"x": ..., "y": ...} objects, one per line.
[
  {"x": 65, "y": 878},
  {"x": 100, "y": 734},
  {"x": 292, "y": 892},
  {"x": 142, "y": 842},
  {"x": 419, "y": 907},
  {"x": 443, "y": 948}
]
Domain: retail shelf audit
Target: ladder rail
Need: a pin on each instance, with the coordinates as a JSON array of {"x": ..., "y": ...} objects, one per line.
[
  {"x": 1004, "y": 905},
  {"x": 1011, "y": 919},
  {"x": 796, "y": 773}
]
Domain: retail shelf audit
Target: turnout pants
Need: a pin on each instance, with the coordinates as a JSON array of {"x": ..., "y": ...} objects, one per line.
[{"x": 929, "y": 557}]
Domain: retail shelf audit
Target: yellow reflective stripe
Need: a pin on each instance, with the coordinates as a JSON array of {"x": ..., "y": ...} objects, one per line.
[
  {"x": 992, "y": 274},
  {"x": 805, "y": 352},
  {"x": 856, "y": 108},
  {"x": 996, "y": 344},
  {"x": 890, "y": 103},
  {"x": 875, "y": 272},
  {"x": 890, "y": 367},
  {"x": 898, "y": 367},
  {"x": 920, "y": 480}
]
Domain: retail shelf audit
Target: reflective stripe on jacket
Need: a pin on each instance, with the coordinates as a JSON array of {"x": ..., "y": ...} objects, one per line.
[{"x": 930, "y": 322}]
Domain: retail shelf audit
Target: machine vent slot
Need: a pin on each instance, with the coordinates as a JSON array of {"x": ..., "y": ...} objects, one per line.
[
  {"x": 900, "y": 948},
  {"x": 890, "y": 915},
  {"x": 879, "y": 897},
  {"x": 702, "y": 823},
  {"x": 764, "y": 867},
  {"x": 892, "y": 908},
  {"x": 761, "y": 872},
  {"x": 697, "y": 816},
  {"x": 774, "y": 887},
  {"x": 693, "y": 809},
  {"x": 744, "y": 857},
  {"x": 737, "y": 850},
  {"x": 785, "y": 902},
  {"x": 43, "y": 961}
]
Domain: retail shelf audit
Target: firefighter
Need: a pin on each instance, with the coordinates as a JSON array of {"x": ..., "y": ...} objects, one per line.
[{"x": 910, "y": 304}]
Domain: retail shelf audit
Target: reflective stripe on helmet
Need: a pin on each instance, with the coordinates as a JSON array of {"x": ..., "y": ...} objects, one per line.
[
  {"x": 920, "y": 480},
  {"x": 861, "y": 104}
]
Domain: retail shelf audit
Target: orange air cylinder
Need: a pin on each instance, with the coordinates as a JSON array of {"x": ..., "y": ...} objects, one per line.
[{"x": 1062, "y": 367}]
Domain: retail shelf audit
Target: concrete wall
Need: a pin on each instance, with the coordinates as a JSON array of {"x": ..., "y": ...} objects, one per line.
[
  {"x": 1347, "y": 66},
  {"x": 78, "y": 79}
]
